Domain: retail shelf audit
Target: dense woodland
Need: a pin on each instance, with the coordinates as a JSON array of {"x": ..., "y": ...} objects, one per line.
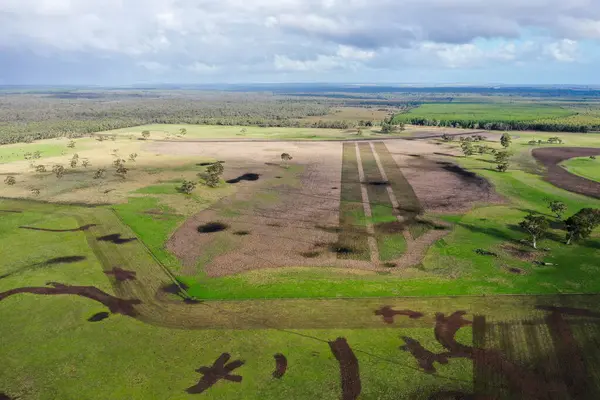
[
  {"x": 27, "y": 117},
  {"x": 28, "y": 114}
]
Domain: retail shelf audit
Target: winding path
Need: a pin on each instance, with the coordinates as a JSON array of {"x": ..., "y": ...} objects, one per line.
[{"x": 551, "y": 157}]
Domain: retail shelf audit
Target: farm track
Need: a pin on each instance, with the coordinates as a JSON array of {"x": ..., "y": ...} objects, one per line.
[{"x": 551, "y": 157}]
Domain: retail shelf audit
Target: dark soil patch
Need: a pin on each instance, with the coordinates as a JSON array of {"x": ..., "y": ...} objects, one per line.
[
  {"x": 550, "y": 157},
  {"x": 80, "y": 229},
  {"x": 388, "y": 314},
  {"x": 349, "y": 371},
  {"x": 245, "y": 177},
  {"x": 114, "y": 304},
  {"x": 121, "y": 274},
  {"x": 377, "y": 183},
  {"x": 274, "y": 225},
  {"x": 424, "y": 357},
  {"x": 99, "y": 317},
  {"x": 4, "y": 396},
  {"x": 390, "y": 265},
  {"x": 221, "y": 369},
  {"x": 278, "y": 177},
  {"x": 334, "y": 188},
  {"x": 206, "y": 164},
  {"x": 310, "y": 254},
  {"x": 280, "y": 365},
  {"x": 516, "y": 271},
  {"x": 519, "y": 253},
  {"x": 115, "y": 238},
  {"x": 241, "y": 233},
  {"x": 65, "y": 260},
  {"x": 173, "y": 288},
  {"x": 212, "y": 227},
  {"x": 341, "y": 249},
  {"x": 108, "y": 191}
]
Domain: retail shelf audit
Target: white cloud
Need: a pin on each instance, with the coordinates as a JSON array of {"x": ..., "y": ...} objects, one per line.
[
  {"x": 565, "y": 50},
  {"x": 352, "y": 53},
  {"x": 321, "y": 63}
]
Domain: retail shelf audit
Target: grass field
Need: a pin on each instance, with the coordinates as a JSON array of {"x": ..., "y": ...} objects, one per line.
[
  {"x": 50, "y": 350},
  {"x": 478, "y": 111},
  {"x": 585, "y": 167}
]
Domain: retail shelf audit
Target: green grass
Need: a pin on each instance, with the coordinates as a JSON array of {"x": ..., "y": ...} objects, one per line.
[
  {"x": 477, "y": 111},
  {"x": 16, "y": 152},
  {"x": 584, "y": 166}
]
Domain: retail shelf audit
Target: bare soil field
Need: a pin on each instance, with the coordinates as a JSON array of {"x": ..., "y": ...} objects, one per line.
[
  {"x": 551, "y": 157},
  {"x": 290, "y": 217},
  {"x": 440, "y": 185}
]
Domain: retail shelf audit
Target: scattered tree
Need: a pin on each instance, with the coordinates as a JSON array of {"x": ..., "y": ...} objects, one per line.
[
  {"x": 122, "y": 171},
  {"x": 501, "y": 157},
  {"x": 10, "y": 180},
  {"x": 35, "y": 192},
  {"x": 540, "y": 141},
  {"x": 592, "y": 157},
  {"x": 71, "y": 144},
  {"x": 40, "y": 168},
  {"x": 58, "y": 170},
  {"x": 100, "y": 138},
  {"x": 532, "y": 142},
  {"x": 113, "y": 138},
  {"x": 99, "y": 174},
  {"x": 401, "y": 126},
  {"x": 581, "y": 225},
  {"x": 285, "y": 157},
  {"x": 133, "y": 156},
  {"x": 37, "y": 155},
  {"x": 187, "y": 187},
  {"x": 212, "y": 180},
  {"x": 145, "y": 135},
  {"x": 243, "y": 130},
  {"x": 74, "y": 160},
  {"x": 557, "y": 207},
  {"x": 28, "y": 156},
  {"x": 555, "y": 139},
  {"x": 359, "y": 131},
  {"x": 118, "y": 162},
  {"x": 502, "y": 167},
  {"x": 467, "y": 148},
  {"x": 182, "y": 131},
  {"x": 214, "y": 172},
  {"x": 85, "y": 162},
  {"x": 505, "y": 140},
  {"x": 447, "y": 138},
  {"x": 536, "y": 226}
]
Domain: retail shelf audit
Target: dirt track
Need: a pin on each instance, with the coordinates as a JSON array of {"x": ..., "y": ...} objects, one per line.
[{"x": 550, "y": 157}]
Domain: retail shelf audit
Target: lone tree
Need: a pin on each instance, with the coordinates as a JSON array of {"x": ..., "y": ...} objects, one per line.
[
  {"x": 145, "y": 134},
  {"x": 187, "y": 187},
  {"x": 58, "y": 170},
  {"x": 214, "y": 172},
  {"x": 536, "y": 226},
  {"x": 502, "y": 167},
  {"x": 467, "y": 148},
  {"x": 557, "y": 207},
  {"x": 285, "y": 157},
  {"x": 505, "y": 140},
  {"x": 85, "y": 162},
  {"x": 133, "y": 156},
  {"x": 501, "y": 156},
  {"x": 71, "y": 144},
  {"x": 74, "y": 160},
  {"x": 35, "y": 192},
  {"x": 359, "y": 132},
  {"x": 581, "y": 225},
  {"x": 182, "y": 131},
  {"x": 10, "y": 180},
  {"x": 100, "y": 172}
]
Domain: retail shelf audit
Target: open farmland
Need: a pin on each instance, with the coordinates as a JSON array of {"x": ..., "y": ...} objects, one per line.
[{"x": 355, "y": 269}]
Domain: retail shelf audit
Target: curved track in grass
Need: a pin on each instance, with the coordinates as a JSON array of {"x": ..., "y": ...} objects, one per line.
[{"x": 551, "y": 157}]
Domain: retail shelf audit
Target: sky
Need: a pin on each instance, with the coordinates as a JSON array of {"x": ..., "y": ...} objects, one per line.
[{"x": 122, "y": 42}]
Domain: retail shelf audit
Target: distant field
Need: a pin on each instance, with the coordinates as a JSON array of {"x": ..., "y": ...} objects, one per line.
[
  {"x": 354, "y": 114},
  {"x": 496, "y": 111},
  {"x": 584, "y": 166},
  {"x": 163, "y": 131}
]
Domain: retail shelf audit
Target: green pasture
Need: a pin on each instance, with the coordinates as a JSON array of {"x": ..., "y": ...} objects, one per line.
[{"x": 585, "y": 167}]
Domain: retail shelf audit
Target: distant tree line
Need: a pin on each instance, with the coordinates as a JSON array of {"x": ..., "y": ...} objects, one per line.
[{"x": 548, "y": 126}]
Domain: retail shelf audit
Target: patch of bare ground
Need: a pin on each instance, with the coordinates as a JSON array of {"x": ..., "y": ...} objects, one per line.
[
  {"x": 441, "y": 186},
  {"x": 519, "y": 252},
  {"x": 550, "y": 157}
]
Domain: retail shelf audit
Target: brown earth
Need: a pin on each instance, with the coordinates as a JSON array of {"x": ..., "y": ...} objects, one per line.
[
  {"x": 550, "y": 157},
  {"x": 349, "y": 371},
  {"x": 441, "y": 186},
  {"x": 280, "y": 365},
  {"x": 114, "y": 304}
]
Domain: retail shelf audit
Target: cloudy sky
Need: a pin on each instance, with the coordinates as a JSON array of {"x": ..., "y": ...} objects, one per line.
[{"x": 232, "y": 41}]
